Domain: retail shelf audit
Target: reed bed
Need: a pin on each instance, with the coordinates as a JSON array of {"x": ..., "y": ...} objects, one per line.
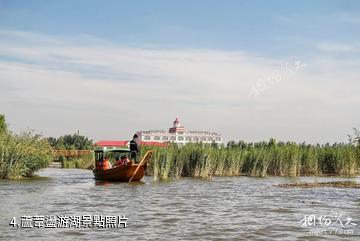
[
  {"x": 23, "y": 154},
  {"x": 86, "y": 161},
  {"x": 254, "y": 159}
]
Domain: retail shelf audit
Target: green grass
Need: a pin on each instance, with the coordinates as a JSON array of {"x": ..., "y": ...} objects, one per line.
[
  {"x": 83, "y": 162},
  {"x": 23, "y": 154},
  {"x": 254, "y": 159},
  {"x": 251, "y": 159}
]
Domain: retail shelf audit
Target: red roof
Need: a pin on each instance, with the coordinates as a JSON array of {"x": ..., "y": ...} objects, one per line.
[
  {"x": 177, "y": 120},
  {"x": 111, "y": 143},
  {"x": 153, "y": 143},
  {"x": 125, "y": 143}
]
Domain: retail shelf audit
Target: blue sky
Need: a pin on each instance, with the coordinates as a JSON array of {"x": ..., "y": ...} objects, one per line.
[
  {"x": 258, "y": 26},
  {"x": 199, "y": 60}
]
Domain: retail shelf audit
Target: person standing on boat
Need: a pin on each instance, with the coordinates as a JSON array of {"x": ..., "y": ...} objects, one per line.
[{"x": 134, "y": 148}]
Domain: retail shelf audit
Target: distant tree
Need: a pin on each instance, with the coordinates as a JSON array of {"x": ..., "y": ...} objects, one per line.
[
  {"x": 52, "y": 141},
  {"x": 71, "y": 142},
  {"x": 260, "y": 144},
  {"x": 231, "y": 144},
  {"x": 3, "y": 125},
  {"x": 242, "y": 144}
]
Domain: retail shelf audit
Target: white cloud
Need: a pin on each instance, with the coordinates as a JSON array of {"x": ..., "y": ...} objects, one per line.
[{"x": 108, "y": 90}]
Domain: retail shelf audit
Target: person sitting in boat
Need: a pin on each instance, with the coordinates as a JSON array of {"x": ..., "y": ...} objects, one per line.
[
  {"x": 123, "y": 161},
  {"x": 106, "y": 164},
  {"x": 117, "y": 161}
]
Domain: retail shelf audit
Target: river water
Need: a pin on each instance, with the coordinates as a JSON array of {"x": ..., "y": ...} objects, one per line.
[{"x": 225, "y": 208}]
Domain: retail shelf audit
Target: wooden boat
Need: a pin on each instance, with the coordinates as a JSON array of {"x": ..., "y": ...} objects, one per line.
[{"x": 130, "y": 172}]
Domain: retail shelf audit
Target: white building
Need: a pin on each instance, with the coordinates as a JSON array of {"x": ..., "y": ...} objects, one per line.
[{"x": 179, "y": 135}]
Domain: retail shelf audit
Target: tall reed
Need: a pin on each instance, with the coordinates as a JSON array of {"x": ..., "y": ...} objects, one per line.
[
  {"x": 23, "y": 154},
  {"x": 254, "y": 159},
  {"x": 86, "y": 161}
]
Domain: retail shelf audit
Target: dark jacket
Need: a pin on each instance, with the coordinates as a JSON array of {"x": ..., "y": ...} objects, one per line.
[{"x": 134, "y": 146}]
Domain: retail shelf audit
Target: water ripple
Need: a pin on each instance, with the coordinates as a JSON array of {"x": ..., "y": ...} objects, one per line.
[{"x": 225, "y": 208}]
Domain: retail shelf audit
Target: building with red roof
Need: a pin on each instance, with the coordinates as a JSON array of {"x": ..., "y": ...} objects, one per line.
[{"x": 178, "y": 134}]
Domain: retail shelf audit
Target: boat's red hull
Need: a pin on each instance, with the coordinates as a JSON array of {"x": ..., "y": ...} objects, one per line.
[{"x": 121, "y": 173}]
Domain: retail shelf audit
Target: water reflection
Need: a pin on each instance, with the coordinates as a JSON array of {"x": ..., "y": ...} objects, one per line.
[{"x": 109, "y": 183}]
